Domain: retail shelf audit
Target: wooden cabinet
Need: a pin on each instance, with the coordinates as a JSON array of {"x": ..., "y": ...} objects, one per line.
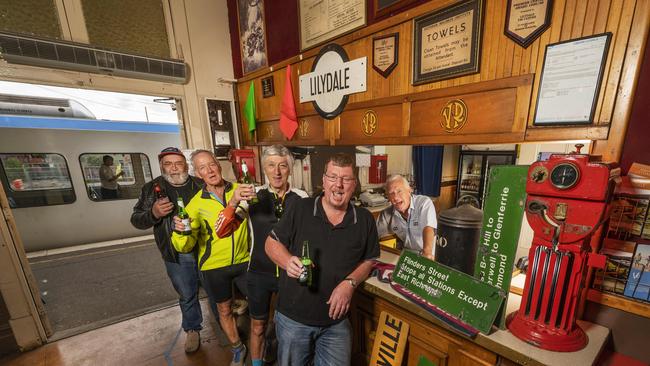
[{"x": 425, "y": 339}]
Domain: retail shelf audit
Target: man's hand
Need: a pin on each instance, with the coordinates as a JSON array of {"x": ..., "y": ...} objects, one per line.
[
  {"x": 294, "y": 267},
  {"x": 178, "y": 224},
  {"x": 162, "y": 208},
  {"x": 243, "y": 192},
  {"x": 339, "y": 301}
]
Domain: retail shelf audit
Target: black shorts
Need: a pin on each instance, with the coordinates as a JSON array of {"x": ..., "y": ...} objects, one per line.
[
  {"x": 218, "y": 282},
  {"x": 260, "y": 288}
]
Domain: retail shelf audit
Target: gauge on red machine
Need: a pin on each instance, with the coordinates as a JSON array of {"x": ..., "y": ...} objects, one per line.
[{"x": 564, "y": 176}]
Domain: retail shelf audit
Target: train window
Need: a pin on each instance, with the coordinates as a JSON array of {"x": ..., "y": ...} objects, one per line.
[
  {"x": 111, "y": 176},
  {"x": 36, "y": 179}
]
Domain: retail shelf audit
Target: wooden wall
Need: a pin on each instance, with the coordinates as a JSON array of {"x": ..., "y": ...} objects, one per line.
[{"x": 501, "y": 61}]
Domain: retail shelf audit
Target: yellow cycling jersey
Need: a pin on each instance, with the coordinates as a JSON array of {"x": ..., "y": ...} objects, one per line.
[{"x": 214, "y": 252}]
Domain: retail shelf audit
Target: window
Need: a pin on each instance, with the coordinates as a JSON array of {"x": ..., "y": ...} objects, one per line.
[
  {"x": 111, "y": 176},
  {"x": 36, "y": 179}
]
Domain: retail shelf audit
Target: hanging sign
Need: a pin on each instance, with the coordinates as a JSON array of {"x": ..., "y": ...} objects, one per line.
[
  {"x": 460, "y": 295},
  {"x": 526, "y": 20},
  {"x": 503, "y": 212},
  {"x": 331, "y": 80},
  {"x": 390, "y": 341}
]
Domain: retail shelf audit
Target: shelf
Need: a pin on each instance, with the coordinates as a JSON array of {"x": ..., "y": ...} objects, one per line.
[
  {"x": 465, "y": 190},
  {"x": 620, "y": 302}
]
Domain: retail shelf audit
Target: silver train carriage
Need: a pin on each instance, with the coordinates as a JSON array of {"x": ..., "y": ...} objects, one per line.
[{"x": 49, "y": 169}]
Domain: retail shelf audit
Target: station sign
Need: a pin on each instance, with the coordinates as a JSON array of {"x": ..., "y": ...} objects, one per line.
[
  {"x": 332, "y": 78},
  {"x": 465, "y": 298},
  {"x": 503, "y": 213}
]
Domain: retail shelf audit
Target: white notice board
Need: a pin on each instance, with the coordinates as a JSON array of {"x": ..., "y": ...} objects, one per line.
[
  {"x": 570, "y": 82},
  {"x": 322, "y": 20}
]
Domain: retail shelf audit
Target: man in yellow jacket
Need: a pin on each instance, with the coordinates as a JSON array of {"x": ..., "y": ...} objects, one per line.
[{"x": 222, "y": 259}]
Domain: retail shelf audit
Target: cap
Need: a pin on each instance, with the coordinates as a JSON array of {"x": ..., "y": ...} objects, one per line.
[{"x": 170, "y": 151}]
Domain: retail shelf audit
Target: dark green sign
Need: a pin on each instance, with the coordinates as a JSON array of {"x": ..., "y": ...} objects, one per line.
[
  {"x": 503, "y": 212},
  {"x": 472, "y": 301}
]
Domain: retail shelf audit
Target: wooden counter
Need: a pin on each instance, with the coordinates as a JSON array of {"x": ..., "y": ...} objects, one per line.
[{"x": 433, "y": 339}]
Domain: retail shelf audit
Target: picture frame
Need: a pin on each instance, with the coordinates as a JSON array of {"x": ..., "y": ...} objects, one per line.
[
  {"x": 252, "y": 35},
  {"x": 447, "y": 42},
  {"x": 385, "y": 53},
  {"x": 268, "y": 88},
  {"x": 322, "y": 20},
  {"x": 526, "y": 20},
  {"x": 384, "y": 7},
  {"x": 570, "y": 82}
]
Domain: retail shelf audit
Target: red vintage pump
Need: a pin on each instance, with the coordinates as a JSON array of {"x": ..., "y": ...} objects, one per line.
[{"x": 567, "y": 203}]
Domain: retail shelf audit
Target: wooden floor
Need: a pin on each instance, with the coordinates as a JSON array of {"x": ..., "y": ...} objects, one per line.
[{"x": 151, "y": 339}]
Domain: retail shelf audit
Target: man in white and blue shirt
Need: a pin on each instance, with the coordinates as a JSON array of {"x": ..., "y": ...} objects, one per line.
[{"x": 411, "y": 217}]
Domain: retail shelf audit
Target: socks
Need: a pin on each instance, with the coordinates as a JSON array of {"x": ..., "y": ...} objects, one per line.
[
  {"x": 237, "y": 345},
  {"x": 258, "y": 363}
]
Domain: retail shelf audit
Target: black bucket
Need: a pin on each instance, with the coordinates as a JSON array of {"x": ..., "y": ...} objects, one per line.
[{"x": 459, "y": 234}]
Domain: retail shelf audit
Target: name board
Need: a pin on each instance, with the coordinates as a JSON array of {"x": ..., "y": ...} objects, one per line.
[
  {"x": 331, "y": 80},
  {"x": 460, "y": 295},
  {"x": 390, "y": 341},
  {"x": 503, "y": 212}
]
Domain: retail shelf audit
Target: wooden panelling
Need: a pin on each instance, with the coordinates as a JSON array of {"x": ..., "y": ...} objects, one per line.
[
  {"x": 500, "y": 59},
  {"x": 388, "y": 123},
  {"x": 487, "y": 112}
]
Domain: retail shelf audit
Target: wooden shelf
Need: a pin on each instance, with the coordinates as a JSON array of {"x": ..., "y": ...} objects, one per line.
[{"x": 619, "y": 302}]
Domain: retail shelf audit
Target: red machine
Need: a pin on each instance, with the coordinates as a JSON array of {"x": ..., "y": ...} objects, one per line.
[
  {"x": 567, "y": 202},
  {"x": 237, "y": 155}
]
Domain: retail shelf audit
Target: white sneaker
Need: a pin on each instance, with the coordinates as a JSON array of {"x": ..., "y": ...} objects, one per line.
[
  {"x": 238, "y": 356},
  {"x": 192, "y": 341}
]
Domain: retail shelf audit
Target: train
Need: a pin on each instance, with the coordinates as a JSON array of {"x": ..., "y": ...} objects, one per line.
[{"x": 49, "y": 170}]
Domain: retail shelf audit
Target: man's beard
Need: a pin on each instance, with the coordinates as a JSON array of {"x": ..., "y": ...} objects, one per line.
[{"x": 177, "y": 179}]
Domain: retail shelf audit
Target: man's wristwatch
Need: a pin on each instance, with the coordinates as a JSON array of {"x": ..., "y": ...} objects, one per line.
[{"x": 352, "y": 282}]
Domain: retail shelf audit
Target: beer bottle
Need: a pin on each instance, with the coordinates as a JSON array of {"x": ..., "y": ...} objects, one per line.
[
  {"x": 246, "y": 179},
  {"x": 158, "y": 191},
  {"x": 306, "y": 274},
  {"x": 185, "y": 218}
]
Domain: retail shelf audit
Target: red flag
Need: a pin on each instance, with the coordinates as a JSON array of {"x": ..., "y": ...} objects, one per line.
[{"x": 288, "y": 118}]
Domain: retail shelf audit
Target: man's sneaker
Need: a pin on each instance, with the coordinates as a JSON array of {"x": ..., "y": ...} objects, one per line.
[
  {"x": 238, "y": 356},
  {"x": 239, "y": 306},
  {"x": 192, "y": 341}
]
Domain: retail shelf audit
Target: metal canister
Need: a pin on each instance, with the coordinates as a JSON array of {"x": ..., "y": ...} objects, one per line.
[{"x": 458, "y": 237}]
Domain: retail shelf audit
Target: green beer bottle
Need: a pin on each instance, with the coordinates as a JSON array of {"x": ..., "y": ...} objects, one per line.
[
  {"x": 306, "y": 274},
  {"x": 185, "y": 218},
  {"x": 246, "y": 179}
]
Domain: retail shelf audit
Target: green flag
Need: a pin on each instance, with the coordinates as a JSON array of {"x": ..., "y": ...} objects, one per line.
[{"x": 249, "y": 108}]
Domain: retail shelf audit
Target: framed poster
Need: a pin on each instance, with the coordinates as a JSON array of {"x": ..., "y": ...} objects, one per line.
[
  {"x": 570, "y": 81},
  {"x": 252, "y": 35},
  {"x": 447, "y": 43},
  {"x": 322, "y": 20},
  {"x": 384, "y": 53},
  {"x": 383, "y": 7},
  {"x": 526, "y": 20}
]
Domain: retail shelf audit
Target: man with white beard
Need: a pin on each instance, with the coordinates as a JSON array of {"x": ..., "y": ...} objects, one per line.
[{"x": 156, "y": 208}]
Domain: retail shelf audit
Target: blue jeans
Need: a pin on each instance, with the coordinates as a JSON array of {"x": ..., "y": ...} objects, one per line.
[
  {"x": 298, "y": 343},
  {"x": 185, "y": 279}
]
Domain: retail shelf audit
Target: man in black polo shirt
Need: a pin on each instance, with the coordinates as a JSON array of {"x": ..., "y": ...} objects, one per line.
[{"x": 342, "y": 243}]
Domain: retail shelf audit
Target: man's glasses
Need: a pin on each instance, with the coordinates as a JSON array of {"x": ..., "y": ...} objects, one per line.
[
  {"x": 178, "y": 164},
  {"x": 335, "y": 178}
]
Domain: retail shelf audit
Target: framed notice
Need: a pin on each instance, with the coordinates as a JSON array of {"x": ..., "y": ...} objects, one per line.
[
  {"x": 526, "y": 20},
  {"x": 383, "y": 7},
  {"x": 570, "y": 81},
  {"x": 384, "y": 53},
  {"x": 322, "y": 20},
  {"x": 252, "y": 35},
  {"x": 447, "y": 43},
  {"x": 268, "y": 89}
]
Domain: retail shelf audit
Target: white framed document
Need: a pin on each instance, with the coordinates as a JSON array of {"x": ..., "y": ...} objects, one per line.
[
  {"x": 322, "y": 20},
  {"x": 570, "y": 83}
]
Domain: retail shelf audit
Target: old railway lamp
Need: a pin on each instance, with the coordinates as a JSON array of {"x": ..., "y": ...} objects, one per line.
[{"x": 567, "y": 203}]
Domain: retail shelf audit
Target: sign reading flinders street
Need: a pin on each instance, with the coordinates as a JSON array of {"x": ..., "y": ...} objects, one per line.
[{"x": 332, "y": 78}]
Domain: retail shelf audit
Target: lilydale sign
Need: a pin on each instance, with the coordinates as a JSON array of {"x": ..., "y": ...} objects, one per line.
[
  {"x": 466, "y": 298},
  {"x": 332, "y": 78}
]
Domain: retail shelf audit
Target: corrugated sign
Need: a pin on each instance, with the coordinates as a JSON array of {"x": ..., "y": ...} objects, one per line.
[
  {"x": 503, "y": 212},
  {"x": 460, "y": 295}
]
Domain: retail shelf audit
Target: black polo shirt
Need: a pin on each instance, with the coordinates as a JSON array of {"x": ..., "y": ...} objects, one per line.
[
  {"x": 335, "y": 250},
  {"x": 262, "y": 218}
]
